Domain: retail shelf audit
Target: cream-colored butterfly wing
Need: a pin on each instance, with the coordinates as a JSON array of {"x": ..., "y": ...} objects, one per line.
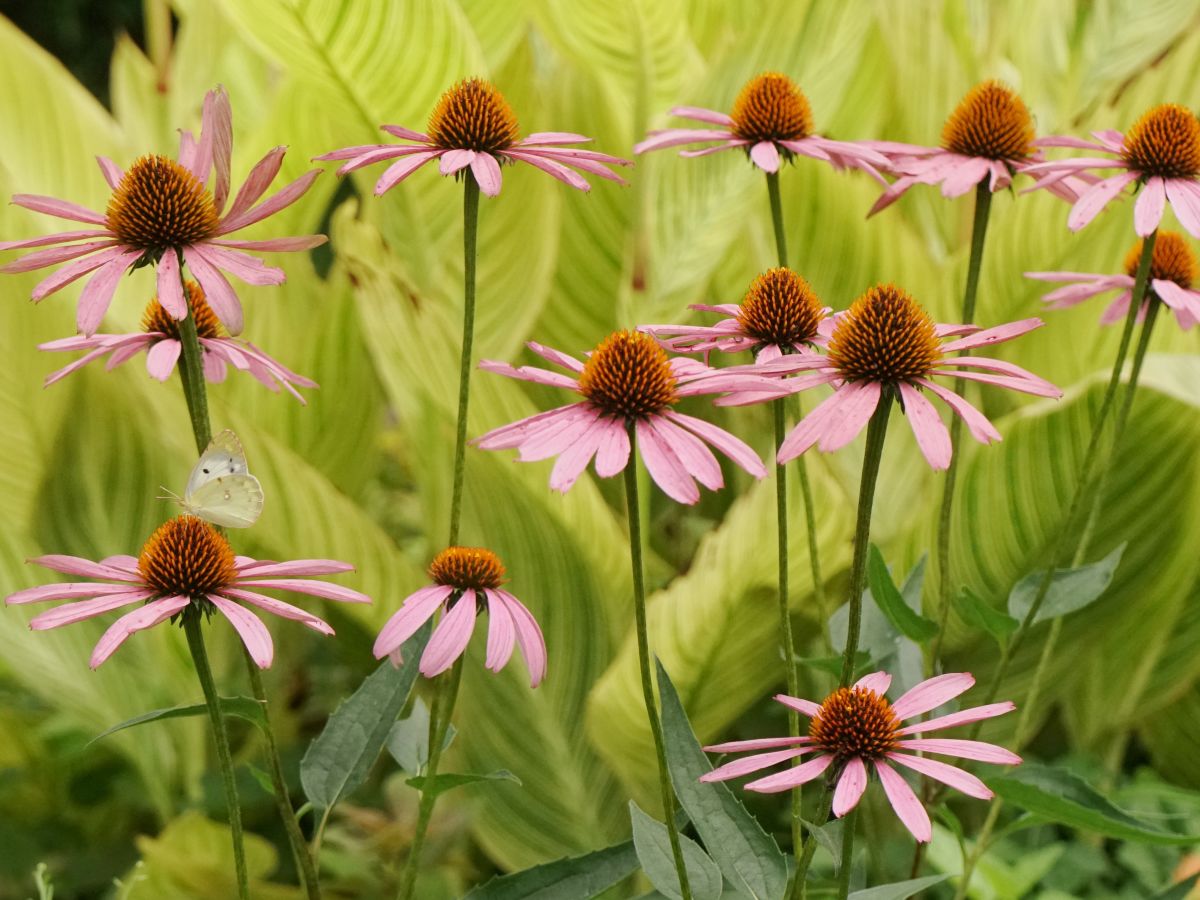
[{"x": 221, "y": 489}]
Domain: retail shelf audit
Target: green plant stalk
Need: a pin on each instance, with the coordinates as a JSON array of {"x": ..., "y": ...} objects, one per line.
[
  {"x": 777, "y": 217},
  {"x": 444, "y": 697},
  {"x": 195, "y": 639},
  {"x": 470, "y": 232},
  {"x": 639, "y": 611},
  {"x": 983, "y": 205},
  {"x": 195, "y": 393},
  {"x": 876, "y": 432},
  {"x": 850, "y": 820},
  {"x": 810, "y": 843}
]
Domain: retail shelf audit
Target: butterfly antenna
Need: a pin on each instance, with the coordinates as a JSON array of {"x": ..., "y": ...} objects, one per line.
[{"x": 169, "y": 495}]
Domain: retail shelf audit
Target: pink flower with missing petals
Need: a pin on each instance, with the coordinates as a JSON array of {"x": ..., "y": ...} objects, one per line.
[
  {"x": 1173, "y": 271},
  {"x": 474, "y": 127},
  {"x": 466, "y": 581},
  {"x": 160, "y": 339},
  {"x": 629, "y": 385},
  {"x": 856, "y": 730},
  {"x": 186, "y": 568},
  {"x": 1160, "y": 154},
  {"x": 161, "y": 210},
  {"x": 885, "y": 345},
  {"x": 772, "y": 121}
]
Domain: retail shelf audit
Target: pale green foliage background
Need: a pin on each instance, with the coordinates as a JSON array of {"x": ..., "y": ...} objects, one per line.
[{"x": 363, "y": 472}]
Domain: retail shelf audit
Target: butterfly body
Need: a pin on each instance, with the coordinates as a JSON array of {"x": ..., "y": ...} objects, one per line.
[{"x": 220, "y": 488}]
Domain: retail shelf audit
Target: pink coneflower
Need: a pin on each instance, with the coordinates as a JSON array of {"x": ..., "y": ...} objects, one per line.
[
  {"x": 1173, "y": 271},
  {"x": 772, "y": 121},
  {"x": 628, "y": 383},
  {"x": 186, "y": 568},
  {"x": 886, "y": 345},
  {"x": 160, "y": 339},
  {"x": 473, "y": 126},
  {"x": 856, "y": 729},
  {"x": 466, "y": 581},
  {"x": 1161, "y": 153},
  {"x": 779, "y": 315},
  {"x": 161, "y": 209}
]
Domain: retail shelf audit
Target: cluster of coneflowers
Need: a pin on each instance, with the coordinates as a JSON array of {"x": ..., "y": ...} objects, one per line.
[{"x": 882, "y": 353}]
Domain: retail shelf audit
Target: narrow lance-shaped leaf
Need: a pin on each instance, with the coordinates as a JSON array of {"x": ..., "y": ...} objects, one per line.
[
  {"x": 443, "y": 783},
  {"x": 898, "y": 890},
  {"x": 240, "y": 707},
  {"x": 653, "y": 845},
  {"x": 576, "y": 878},
  {"x": 1070, "y": 589},
  {"x": 975, "y": 611},
  {"x": 891, "y": 603}
]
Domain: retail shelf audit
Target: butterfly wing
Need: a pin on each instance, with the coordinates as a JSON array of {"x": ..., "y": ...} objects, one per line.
[
  {"x": 222, "y": 457},
  {"x": 234, "y": 501}
]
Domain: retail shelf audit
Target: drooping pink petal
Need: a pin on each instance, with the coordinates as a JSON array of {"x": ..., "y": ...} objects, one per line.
[
  {"x": 250, "y": 629},
  {"x": 592, "y": 163},
  {"x": 170, "y": 287},
  {"x": 879, "y": 682},
  {"x": 790, "y": 778},
  {"x": 502, "y": 634},
  {"x": 70, "y": 613},
  {"x": 322, "y": 589},
  {"x": 850, "y": 786},
  {"x": 904, "y": 802},
  {"x": 77, "y": 269},
  {"x": 530, "y": 373},
  {"x": 927, "y": 426},
  {"x": 709, "y": 151},
  {"x": 756, "y": 744},
  {"x": 292, "y": 568},
  {"x": 161, "y": 359},
  {"x": 1072, "y": 294},
  {"x": 60, "y": 374},
  {"x": 411, "y": 615},
  {"x": 61, "y": 237},
  {"x": 111, "y": 171},
  {"x": 514, "y": 434},
  {"x": 673, "y": 137},
  {"x": 450, "y": 637},
  {"x": 851, "y": 416},
  {"x": 75, "y": 565},
  {"x": 553, "y": 137},
  {"x": 747, "y": 764},
  {"x": 977, "y": 423},
  {"x": 700, "y": 114},
  {"x": 1096, "y": 198},
  {"x": 1148, "y": 208},
  {"x": 733, "y": 447},
  {"x": 808, "y": 707},
  {"x": 665, "y": 467},
  {"x": 555, "y": 356},
  {"x": 249, "y": 269},
  {"x": 978, "y": 750},
  {"x": 256, "y": 183},
  {"x": 813, "y": 426},
  {"x": 453, "y": 160},
  {"x": 547, "y": 442},
  {"x": 1185, "y": 200},
  {"x": 575, "y": 458},
  {"x": 280, "y": 608},
  {"x": 217, "y": 290},
  {"x": 300, "y": 242},
  {"x": 398, "y": 171},
  {"x": 486, "y": 170},
  {"x": 550, "y": 167},
  {"x": 996, "y": 335},
  {"x": 765, "y": 155},
  {"x": 1004, "y": 368},
  {"x": 947, "y": 774},
  {"x": 140, "y": 619},
  {"x": 406, "y": 134},
  {"x": 60, "y": 209},
  {"x": 75, "y": 590},
  {"x": 1038, "y": 388},
  {"x": 529, "y": 637},
  {"x": 691, "y": 451},
  {"x": 932, "y": 693},
  {"x": 281, "y": 199},
  {"x": 963, "y": 717},
  {"x": 1117, "y": 310},
  {"x": 98, "y": 292},
  {"x": 39, "y": 259},
  {"x": 612, "y": 455},
  {"x": 967, "y": 172}
]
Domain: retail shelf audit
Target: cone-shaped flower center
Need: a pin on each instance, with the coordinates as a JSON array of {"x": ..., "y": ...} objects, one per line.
[
  {"x": 855, "y": 721},
  {"x": 992, "y": 122},
  {"x": 1165, "y": 142},
  {"x": 628, "y": 375},
  {"x": 1172, "y": 260},
  {"x": 884, "y": 336},
  {"x": 473, "y": 115},
  {"x": 467, "y": 569},
  {"x": 155, "y": 318},
  {"x": 771, "y": 108},
  {"x": 159, "y": 205},
  {"x": 780, "y": 308},
  {"x": 186, "y": 557}
]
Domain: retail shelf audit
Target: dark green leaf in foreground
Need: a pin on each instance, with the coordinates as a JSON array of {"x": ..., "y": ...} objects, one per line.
[
  {"x": 443, "y": 783},
  {"x": 1070, "y": 589},
  {"x": 747, "y": 856},
  {"x": 240, "y": 707},
  {"x": 1179, "y": 891},
  {"x": 891, "y": 603},
  {"x": 577, "y": 878},
  {"x": 653, "y": 846},
  {"x": 974, "y": 611},
  {"x": 898, "y": 890}
]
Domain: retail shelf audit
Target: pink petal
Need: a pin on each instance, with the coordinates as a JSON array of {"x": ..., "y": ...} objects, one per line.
[
  {"x": 70, "y": 613},
  {"x": 502, "y": 634},
  {"x": 60, "y": 209},
  {"x": 756, "y": 744},
  {"x": 709, "y": 151},
  {"x": 161, "y": 359},
  {"x": 303, "y": 242},
  {"x": 321, "y": 589},
  {"x": 849, "y": 418},
  {"x": 281, "y": 609},
  {"x": 1117, "y": 310},
  {"x": 555, "y": 356},
  {"x": 281, "y": 199},
  {"x": 249, "y": 627},
  {"x": 932, "y": 436},
  {"x": 967, "y": 172},
  {"x": 249, "y": 269},
  {"x": 64, "y": 591},
  {"x": 850, "y": 786},
  {"x": 592, "y": 163},
  {"x": 765, "y": 155},
  {"x": 790, "y": 778},
  {"x": 529, "y": 637},
  {"x": 77, "y": 269},
  {"x": 411, "y": 615},
  {"x": 977, "y": 750},
  {"x": 554, "y": 137},
  {"x": 673, "y": 137},
  {"x": 75, "y": 565},
  {"x": 1148, "y": 209},
  {"x": 997, "y": 335},
  {"x": 450, "y": 638},
  {"x": 512, "y": 435},
  {"x": 406, "y": 134},
  {"x": 140, "y": 619},
  {"x": 977, "y": 423},
  {"x": 555, "y": 439},
  {"x": 700, "y": 114},
  {"x": 1185, "y": 200},
  {"x": 808, "y": 707},
  {"x": 453, "y": 160},
  {"x": 256, "y": 182},
  {"x": 748, "y": 764},
  {"x": 1096, "y": 198},
  {"x": 217, "y": 290},
  {"x": 879, "y": 682},
  {"x": 975, "y": 714},
  {"x": 904, "y": 802},
  {"x": 613, "y": 453},
  {"x": 733, "y": 447},
  {"x": 574, "y": 459},
  {"x": 550, "y": 167},
  {"x": 932, "y": 693},
  {"x": 956, "y": 778},
  {"x": 293, "y": 567},
  {"x": 39, "y": 259},
  {"x": 665, "y": 467},
  {"x": 60, "y": 237},
  {"x": 898, "y": 189},
  {"x": 98, "y": 292},
  {"x": 170, "y": 288},
  {"x": 696, "y": 458},
  {"x": 219, "y": 122},
  {"x": 111, "y": 171},
  {"x": 1037, "y": 387},
  {"x": 398, "y": 171},
  {"x": 530, "y": 373},
  {"x": 1004, "y": 368}
]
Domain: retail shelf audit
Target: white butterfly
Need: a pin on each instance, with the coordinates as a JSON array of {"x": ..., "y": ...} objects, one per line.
[{"x": 221, "y": 489}]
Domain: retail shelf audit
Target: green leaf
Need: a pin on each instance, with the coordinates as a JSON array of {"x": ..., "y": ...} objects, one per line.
[
  {"x": 747, "y": 856},
  {"x": 341, "y": 756},
  {"x": 1058, "y": 796},
  {"x": 408, "y": 741},
  {"x": 898, "y": 890},
  {"x": 242, "y": 707},
  {"x": 1180, "y": 891},
  {"x": 653, "y": 845},
  {"x": 443, "y": 783},
  {"x": 577, "y": 878},
  {"x": 1070, "y": 589},
  {"x": 890, "y": 602},
  {"x": 828, "y": 837},
  {"x": 976, "y": 612}
]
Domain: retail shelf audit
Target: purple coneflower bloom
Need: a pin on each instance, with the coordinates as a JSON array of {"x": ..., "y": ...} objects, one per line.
[
  {"x": 772, "y": 121},
  {"x": 628, "y": 383},
  {"x": 159, "y": 209},
  {"x": 186, "y": 568},
  {"x": 1173, "y": 271},
  {"x": 474, "y": 127},
  {"x": 885, "y": 342},
  {"x": 160, "y": 339},
  {"x": 856, "y": 729},
  {"x": 466, "y": 581}
]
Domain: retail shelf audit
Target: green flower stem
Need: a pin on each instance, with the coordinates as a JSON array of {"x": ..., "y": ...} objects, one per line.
[
  {"x": 983, "y": 205},
  {"x": 810, "y": 843},
  {"x": 849, "y": 821},
  {"x": 777, "y": 217},
  {"x": 470, "y": 232},
  {"x": 195, "y": 639},
  {"x": 195, "y": 393},
  {"x": 639, "y": 610},
  {"x": 444, "y": 697},
  {"x": 876, "y": 432}
]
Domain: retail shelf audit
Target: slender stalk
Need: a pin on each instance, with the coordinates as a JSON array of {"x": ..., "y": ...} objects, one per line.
[
  {"x": 810, "y": 843},
  {"x": 191, "y": 374},
  {"x": 777, "y": 217},
  {"x": 639, "y": 611},
  {"x": 444, "y": 698},
  {"x": 876, "y": 432},
  {"x": 850, "y": 820},
  {"x": 195, "y": 639},
  {"x": 983, "y": 205},
  {"x": 470, "y": 232}
]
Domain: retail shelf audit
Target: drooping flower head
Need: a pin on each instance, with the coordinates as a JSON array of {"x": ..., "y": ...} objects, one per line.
[
  {"x": 629, "y": 385},
  {"x": 161, "y": 209},
  {"x": 160, "y": 339},
  {"x": 1160, "y": 154},
  {"x": 1173, "y": 272},
  {"x": 885, "y": 345},
  {"x": 772, "y": 121},
  {"x": 856, "y": 730},
  {"x": 473, "y": 127},
  {"x": 780, "y": 314},
  {"x": 186, "y": 568},
  {"x": 466, "y": 582}
]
